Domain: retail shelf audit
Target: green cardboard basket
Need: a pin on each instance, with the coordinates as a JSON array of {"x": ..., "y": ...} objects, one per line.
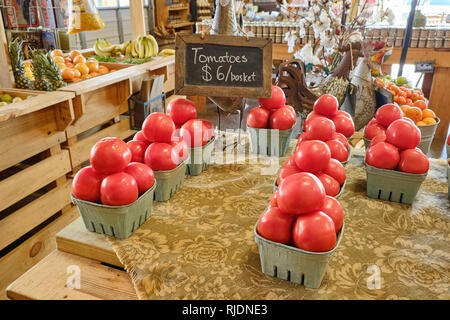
[
  {"x": 261, "y": 141},
  {"x": 199, "y": 158},
  {"x": 366, "y": 143},
  {"x": 116, "y": 221},
  {"x": 350, "y": 151},
  {"x": 391, "y": 185},
  {"x": 169, "y": 182},
  {"x": 427, "y": 136},
  {"x": 293, "y": 264}
]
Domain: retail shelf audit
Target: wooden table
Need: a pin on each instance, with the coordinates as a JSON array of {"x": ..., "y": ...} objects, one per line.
[{"x": 101, "y": 273}]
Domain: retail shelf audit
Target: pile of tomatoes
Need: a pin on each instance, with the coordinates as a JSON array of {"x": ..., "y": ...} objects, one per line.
[
  {"x": 273, "y": 113},
  {"x": 411, "y": 101},
  {"x": 394, "y": 141},
  {"x": 301, "y": 212},
  {"x": 327, "y": 123},
  {"x": 76, "y": 67}
]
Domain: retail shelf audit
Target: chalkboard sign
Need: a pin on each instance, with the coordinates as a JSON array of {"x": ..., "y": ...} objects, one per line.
[
  {"x": 225, "y": 66},
  {"x": 424, "y": 66}
]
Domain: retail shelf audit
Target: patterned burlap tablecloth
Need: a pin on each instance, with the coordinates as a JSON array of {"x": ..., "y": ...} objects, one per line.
[{"x": 200, "y": 243}]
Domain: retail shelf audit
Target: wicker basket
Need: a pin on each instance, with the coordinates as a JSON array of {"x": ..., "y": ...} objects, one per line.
[
  {"x": 116, "y": 221},
  {"x": 293, "y": 264}
]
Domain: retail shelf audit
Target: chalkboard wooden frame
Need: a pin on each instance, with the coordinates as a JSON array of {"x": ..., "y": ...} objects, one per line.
[{"x": 265, "y": 91}]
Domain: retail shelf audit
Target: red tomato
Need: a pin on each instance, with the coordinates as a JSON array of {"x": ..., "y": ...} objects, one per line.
[
  {"x": 343, "y": 113},
  {"x": 300, "y": 193},
  {"x": 86, "y": 184},
  {"x": 181, "y": 147},
  {"x": 181, "y": 110},
  {"x": 387, "y": 114},
  {"x": 119, "y": 189},
  {"x": 290, "y": 161},
  {"x": 143, "y": 175},
  {"x": 371, "y": 122},
  {"x": 320, "y": 129},
  {"x": 381, "y": 137},
  {"x": 383, "y": 155},
  {"x": 258, "y": 118},
  {"x": 286, "y": 172},
  {"x": 448, "y": 140},
  {"x": 341, "y": 138},
  {"x": 290, "y": 108},
  {"x": 277, "y": 100},
  {"x": 312, "y": 156},
  {"x": 161, "y": 156},
  {"x": 326, "y": 105},
  {"x": 314, "y": 231},
  {"x": 413, "y": 161},
  {"x": 137, "y": 148},
  {"x": 373, "y": 130},
  {"x": 158, "y": 127},
  {"x": 208, "y": 129},
  {"x": 338, "y": 150},
  {"x": 336, "y": 170},
  {"x": 273, "y": 200},
  {"x": 332, "y": 208},
  {"x": 330, "y": 184},
  {"x": 275, "y": 226},
  {"x": 110, "y": 155},
  {"x": 139, "y": 136},
  {"x": 282, "y": 119},
  {"x": 403, "y": 134},
  {"x": 344, "y": 125},
  {"x": 303, "y": 137},
  {"x": 195, "y": 133}
]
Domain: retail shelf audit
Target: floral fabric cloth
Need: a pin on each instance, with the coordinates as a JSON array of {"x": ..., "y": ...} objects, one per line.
[{"x": 200, "y": 243}]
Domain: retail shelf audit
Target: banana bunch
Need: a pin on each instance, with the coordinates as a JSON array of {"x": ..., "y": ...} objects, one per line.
[
  {"x": 103, "y": 48},
  {"x": 144, "y": 46},
  {"x": 166, "y": 52}
]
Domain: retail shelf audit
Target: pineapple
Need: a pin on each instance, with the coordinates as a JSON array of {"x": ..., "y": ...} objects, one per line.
[
  {"x": 15, "y": 52},
  {"x": 46, "y": 73}
]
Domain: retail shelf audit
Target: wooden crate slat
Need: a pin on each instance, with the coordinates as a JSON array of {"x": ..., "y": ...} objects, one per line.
[
  {"x": 34, "y": 249},
  {"x": 25, "y": 136},
  {"x": 75, "y": 239},
  {"x": 79, "y": 152},
  {"x": 33, "y": 178},
  {"x": 47, "y": 281},
  {"x": 33, "y": 214}
]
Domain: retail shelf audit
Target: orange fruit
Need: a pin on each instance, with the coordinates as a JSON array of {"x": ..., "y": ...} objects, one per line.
[
  {"x": 428, "y": 113},
  {"x": 86, "y": 76},
  {"x": 379, "y": 82},
  {"x": 69, "y": 64},
  {"x": 92, "y": 65},
  {"x": 421, "y": 123},
  {"x": 58, "y": 59},
  {"x": 82, "y": 67},
  {"x": 61, "y": 66},
  {"x": 429, "y": 121},
  {"x": 77, "y": 73},
  {"x": 67, "y": 59},
  {"x": 395, "y": 89},
  {"x": 420, "y": 104},
  {"x": 103, "y": 70},
  {"x": 414, "y": 113},
  {"x": 79, "y": 59},
  {"x": 55, "y": 53},
  {"x": 400, "y": 100},
  {"x": 74, "y": 53},
  {"x": 67, "y": 74},
  {"x": 94, "y": 74},
  {"x": 404, "y": 109},
  {"x": 409, "y": 102},
  {"x": 76, "y": 79}
]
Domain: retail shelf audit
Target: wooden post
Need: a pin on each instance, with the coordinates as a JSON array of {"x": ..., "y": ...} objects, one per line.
[
  {"x": 6, "y": 78},
  {"x": 137, "y": 18},
  {"x": 439, "y": 98}
]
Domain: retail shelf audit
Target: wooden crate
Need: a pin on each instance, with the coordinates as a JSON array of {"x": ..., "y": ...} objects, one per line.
[{"x": 34, "y": 190}]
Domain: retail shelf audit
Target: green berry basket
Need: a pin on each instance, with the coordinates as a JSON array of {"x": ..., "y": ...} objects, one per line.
[
  {"x": 366, "y": 143},
  {"x": 293, "y": 264},
  {"x": 199, "y": 158},
  {"x": 350, "y": 152},
  {"x": 427, "y": 136},
  {"x": 169, "y": 182},
  {"x": 391, "y": 185},
  {"x": 116, "y": 221},
  {"x": 261, "y": 141}
]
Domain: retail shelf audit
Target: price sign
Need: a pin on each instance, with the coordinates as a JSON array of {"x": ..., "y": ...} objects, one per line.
[
  {"x": 225, "y": 66},
  {"x": 424, "y": 66}
]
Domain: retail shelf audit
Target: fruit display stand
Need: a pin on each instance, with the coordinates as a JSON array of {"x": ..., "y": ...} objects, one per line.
[
  {"x": 34, "y": 190},
  {"x": 100, "y": 106}
]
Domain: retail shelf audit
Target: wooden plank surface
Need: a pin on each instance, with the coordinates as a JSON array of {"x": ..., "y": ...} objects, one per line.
[
  {"x": 48, "y": 280},
  {"x": 79, "y": 152},
  {"x": 75, "y": 239},
  {"x": 33, "y": 178},
  {"x": 33, "y": 214},
  {"x": 6, "y": 76},
  {"x": 30, "y": 252}
]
